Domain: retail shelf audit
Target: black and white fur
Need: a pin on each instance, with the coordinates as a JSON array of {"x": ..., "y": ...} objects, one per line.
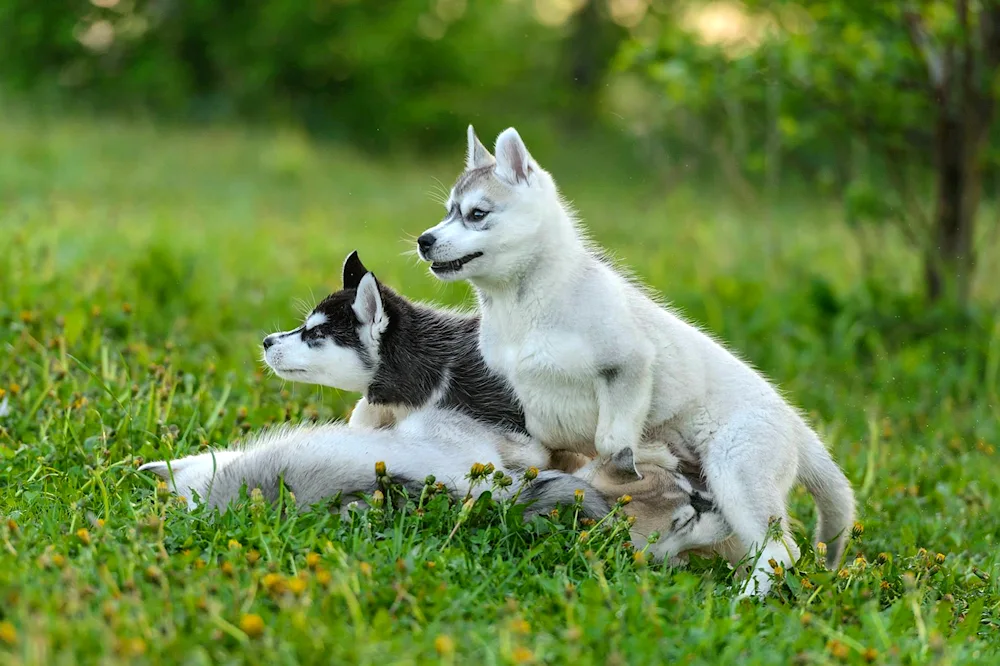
[
  {"x": 402, "y": 356},
  {"x": 599, "y": 366}
]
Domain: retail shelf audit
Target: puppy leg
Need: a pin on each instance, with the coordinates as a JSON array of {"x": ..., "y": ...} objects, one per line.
[
  {"x": 750, "y": 465},
  {"x": 371, "y": 417},
  {"x": 624, "y": 395}
]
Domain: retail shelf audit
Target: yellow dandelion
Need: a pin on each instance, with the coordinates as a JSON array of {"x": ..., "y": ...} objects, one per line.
[
  {"x": 297, "y": 585},
  {"x": 312, "y": 560},
  {"x": 8, "y": 633},
  {"x": 234, "y": 544},
  {"x": 870, "y": 655},
  {"x": 323, "y": 577},
  {"x": 84, "y": 536},
  {"x": 806, "y": 619},
  {"x": 252, "y": 625},
  {"x": 838, "y": 649},
  {"x": 366, "y": 569},
  {"x": 274, "y": 583},
  {"x": 939, "y": 558},
  {"x": 522, "y": 655},
  {"x": 520, "y": 626},
  {"x": 444, "y": 645},
  {"x": 639, "y": 558},
  {"x": 380, "y": 468},
  {"x": 253, "y": 557},
  {"x": 531, "y": 474},
  {"x": 227, "y": 568}
]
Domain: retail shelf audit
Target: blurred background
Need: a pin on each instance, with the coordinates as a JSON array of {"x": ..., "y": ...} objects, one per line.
[
  {"x": 885, "y": 108},
  {"x": 821, "y": 171}
]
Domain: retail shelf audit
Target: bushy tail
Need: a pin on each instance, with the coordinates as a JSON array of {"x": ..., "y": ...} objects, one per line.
[
  {"x": 553, "y": 488},
  {"x": 834, "y": 498}
]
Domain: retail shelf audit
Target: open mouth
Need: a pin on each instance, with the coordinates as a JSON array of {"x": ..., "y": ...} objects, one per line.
[{"x": 454, "y": 266}]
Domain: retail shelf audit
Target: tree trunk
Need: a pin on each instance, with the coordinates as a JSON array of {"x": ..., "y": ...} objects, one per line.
[{"x": 949, "y": 264}]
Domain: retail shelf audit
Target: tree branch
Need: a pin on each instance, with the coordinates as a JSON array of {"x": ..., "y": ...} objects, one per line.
[{"x": 936, "y": 66}]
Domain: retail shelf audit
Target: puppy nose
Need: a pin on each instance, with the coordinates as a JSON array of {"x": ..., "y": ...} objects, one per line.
[
  {"x": 426, "y": 242},
  {"x": 269, "y": 341}
]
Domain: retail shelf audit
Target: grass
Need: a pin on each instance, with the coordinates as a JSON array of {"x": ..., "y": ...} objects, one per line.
[{"x": 139, "y": 269}]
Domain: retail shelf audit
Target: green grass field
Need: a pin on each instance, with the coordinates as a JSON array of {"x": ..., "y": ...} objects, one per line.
[{"x": 139, "y": 269}]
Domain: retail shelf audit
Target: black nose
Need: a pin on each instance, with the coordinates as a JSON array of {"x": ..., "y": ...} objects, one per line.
[
  {"x": 269, "y": 341},
  {"x": 426, "y": 242}
]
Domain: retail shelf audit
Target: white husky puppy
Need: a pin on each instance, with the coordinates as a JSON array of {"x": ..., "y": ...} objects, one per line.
[{"x": 599, "y": 366}]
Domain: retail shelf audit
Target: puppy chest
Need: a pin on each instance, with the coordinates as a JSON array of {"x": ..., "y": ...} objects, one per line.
[
  {"x": 561, "y": 414},
  {"x": 554, "y": 377}
]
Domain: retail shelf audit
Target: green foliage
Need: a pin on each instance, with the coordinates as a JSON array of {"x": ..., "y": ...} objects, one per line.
[{"x": 373, "y": 71}]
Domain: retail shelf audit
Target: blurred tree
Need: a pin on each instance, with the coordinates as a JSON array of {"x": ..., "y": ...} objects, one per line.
[
  {"x": 888, "y": 94},
  {"x": 375, "y": 72}
]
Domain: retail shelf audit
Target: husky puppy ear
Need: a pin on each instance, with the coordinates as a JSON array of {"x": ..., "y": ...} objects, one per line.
[
  {"x": 368, "y": 308},
  {"x": 514, "y": 163},
  {"x": 477, "y": 156},
  {"x": 353, "y": 271},
  {"x": 623, "y": 464}
]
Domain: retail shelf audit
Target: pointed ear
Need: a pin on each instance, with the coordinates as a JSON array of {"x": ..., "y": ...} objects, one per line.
[
  {"x": 353, "y": 271},
  {"x": 157, "y": 467},
  {"x": 477, "y": 155},
  {"x": 368, "y": 305},
  {"x": 623, "y": 463},
  {"x": 514, "y": 163}
]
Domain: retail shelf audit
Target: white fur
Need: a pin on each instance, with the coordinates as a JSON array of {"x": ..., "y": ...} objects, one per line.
[
  {"x": 370, "y": 312},
  {"x": 329, "y": 364},
  {"x": 192, "y": 475},
  {"x": 314, "y": 320},
  {"x": 555, "y": 315}
]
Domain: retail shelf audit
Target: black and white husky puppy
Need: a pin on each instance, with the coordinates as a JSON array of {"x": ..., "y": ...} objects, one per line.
[{"x": 400, "y": 355}]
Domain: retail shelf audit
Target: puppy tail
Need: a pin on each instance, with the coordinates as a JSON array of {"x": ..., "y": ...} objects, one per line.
[
  {"x": 553, "y": 488},
  {"x": 834, "y": 497}
]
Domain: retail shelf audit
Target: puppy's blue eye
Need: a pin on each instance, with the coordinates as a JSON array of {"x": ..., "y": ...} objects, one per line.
[{"x": 478, "y": 214}]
